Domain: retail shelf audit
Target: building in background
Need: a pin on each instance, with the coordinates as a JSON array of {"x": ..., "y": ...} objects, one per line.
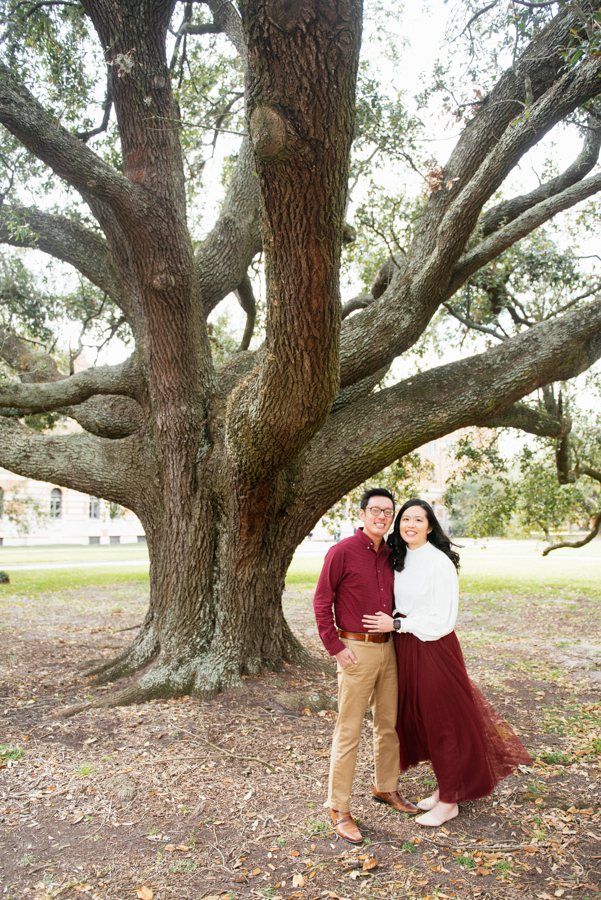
[
  {"x": 439, "y": 454},
  {"x": 33, "y": 513}
]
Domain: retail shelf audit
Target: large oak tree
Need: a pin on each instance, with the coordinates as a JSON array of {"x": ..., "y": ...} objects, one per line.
[{"x": 228, "y": 467}]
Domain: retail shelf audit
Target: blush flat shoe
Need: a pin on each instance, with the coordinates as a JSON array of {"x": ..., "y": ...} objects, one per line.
[
  {"x": 427, "y": 803},
  {"x": 434, "y": 820}
]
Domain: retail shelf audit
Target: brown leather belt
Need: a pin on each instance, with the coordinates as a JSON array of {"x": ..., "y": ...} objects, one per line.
[{"x": 366, "y": 638}]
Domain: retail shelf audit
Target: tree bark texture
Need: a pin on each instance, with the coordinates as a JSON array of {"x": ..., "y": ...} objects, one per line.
[{"x": 228, "y": 470}]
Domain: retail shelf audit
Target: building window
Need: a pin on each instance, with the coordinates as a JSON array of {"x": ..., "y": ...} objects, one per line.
[
  {"x": 56, "y": 503},
  {"x": 94, "y": 508}
]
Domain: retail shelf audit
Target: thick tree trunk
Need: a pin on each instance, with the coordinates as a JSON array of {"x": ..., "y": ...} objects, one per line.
[{"x": 217, "y": 575}]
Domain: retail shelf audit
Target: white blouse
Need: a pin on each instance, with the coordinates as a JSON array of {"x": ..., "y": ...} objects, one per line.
[{"x": 427, "y": 592}]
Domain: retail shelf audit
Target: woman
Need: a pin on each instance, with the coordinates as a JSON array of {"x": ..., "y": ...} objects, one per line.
[{"x": 442, "y": 716}]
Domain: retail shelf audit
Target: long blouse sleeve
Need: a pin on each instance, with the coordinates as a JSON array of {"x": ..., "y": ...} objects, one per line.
[{"x": 427, "y": 593}]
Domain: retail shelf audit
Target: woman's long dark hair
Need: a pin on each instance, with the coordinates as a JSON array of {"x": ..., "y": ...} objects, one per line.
[{"x": 436, "y": 536}]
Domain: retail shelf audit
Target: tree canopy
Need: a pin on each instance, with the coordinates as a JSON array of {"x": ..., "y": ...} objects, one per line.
[{"x": 109, "y": 114}]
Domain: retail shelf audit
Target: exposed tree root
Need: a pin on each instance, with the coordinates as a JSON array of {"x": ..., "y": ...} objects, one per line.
[
  {"x": 140, "y": 653},
  {"x": 177, "y": 675}
]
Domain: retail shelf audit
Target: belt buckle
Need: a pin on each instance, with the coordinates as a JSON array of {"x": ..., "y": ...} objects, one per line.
[{"x": 366, "y": 639}]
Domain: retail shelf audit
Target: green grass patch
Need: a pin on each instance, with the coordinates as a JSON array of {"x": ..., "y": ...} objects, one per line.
[
  {"x": 556, "y": 757},
  {"x": 34, "y": 581},
  {"x": 465, "y": 861},
  {"x": 517, "y": 566},
  {"x": 304, "y": 572},
  {"x": 500, "y": 567},
  {"x": 11, "y": 753}
]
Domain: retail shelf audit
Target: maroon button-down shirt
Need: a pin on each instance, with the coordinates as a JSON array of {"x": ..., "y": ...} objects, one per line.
[{"x": 355, "y": 581}]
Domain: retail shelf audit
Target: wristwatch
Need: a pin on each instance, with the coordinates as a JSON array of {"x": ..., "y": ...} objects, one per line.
[{"x": 397, "y": 624}]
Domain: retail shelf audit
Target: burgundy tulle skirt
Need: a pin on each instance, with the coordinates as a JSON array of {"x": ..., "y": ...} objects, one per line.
[{"x": 444, "y": 718}]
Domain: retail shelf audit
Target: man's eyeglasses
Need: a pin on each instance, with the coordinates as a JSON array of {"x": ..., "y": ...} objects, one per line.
[{"x": 375, "y": 511}]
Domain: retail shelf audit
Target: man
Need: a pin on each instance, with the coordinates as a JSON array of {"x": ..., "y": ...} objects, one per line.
[{"x": 357, "y": 579}]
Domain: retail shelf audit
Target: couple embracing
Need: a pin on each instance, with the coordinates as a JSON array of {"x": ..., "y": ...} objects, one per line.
[{"x": 386, "y": 611}]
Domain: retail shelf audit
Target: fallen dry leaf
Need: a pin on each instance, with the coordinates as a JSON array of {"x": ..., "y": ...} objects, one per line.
[
  {"x": 294, "y": 853},
  {"x": 144, "y": 893},
  {"x": 482, "y": 871},
  {"x": 182, "y": 847},
  {"x": 170, "y": 847},
  {"x": 370, "y": 864},
  {"x": 298, "y": 881},
  {"x": 255, "y": 872}
]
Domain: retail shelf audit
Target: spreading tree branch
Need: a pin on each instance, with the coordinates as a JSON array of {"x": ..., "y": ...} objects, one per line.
[
  {"x": 68, "y": 241},
  {"x": 575, "y": 544},
  {"x": 574, "y": 88},
  {"x": 504, "y": 128},
  {"x": 107, "y": 106},
  {"x": 227, "y": 19},
  {"x": 207, "y": 28},
  {"x": 110, "y": 416},
  {"x": 532, "y": 421},
  {"x": 44, "y": 388},
  {"x": 509, "y": 210},
  {"x": 246, "y": 299},
  {"x": 224, "y": 257},
  {"x": 115, "y": 470},
  {"x": 525, "y": 224},
  {"x": 475, "y": 391},
  {"x": 66, "y": 155},
  {"x": 273, "y": 414},
  {"x": 362, "y": 301},
  {"x": 32, "y": 398}
]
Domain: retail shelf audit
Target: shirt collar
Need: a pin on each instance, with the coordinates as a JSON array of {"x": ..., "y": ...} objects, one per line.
[{"x": 367, "y": 541}]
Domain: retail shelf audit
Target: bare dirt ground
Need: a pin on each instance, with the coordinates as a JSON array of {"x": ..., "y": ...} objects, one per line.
[{"x": 183, "y": 799}]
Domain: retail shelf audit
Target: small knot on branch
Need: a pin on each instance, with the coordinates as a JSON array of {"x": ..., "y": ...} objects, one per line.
[{"x": 268, "y": 132}]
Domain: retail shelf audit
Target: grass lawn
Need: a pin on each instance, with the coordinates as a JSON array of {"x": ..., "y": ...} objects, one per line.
[
  {"x": 487, "y": 566},
  {"x": 32, "y": 581},
  {"x": 498, "y": 566}
]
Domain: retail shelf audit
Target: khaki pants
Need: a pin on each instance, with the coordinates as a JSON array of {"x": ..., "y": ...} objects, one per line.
[{"x": 373, "y": 678}]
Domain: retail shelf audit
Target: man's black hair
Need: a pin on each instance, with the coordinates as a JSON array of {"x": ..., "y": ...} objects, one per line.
[{"x": 375, "y": 492}]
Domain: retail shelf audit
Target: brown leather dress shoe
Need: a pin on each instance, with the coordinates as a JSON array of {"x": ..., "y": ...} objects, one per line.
[
  {"x": 394, "y": 799},
  {"x": 345, "y": 826}
]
